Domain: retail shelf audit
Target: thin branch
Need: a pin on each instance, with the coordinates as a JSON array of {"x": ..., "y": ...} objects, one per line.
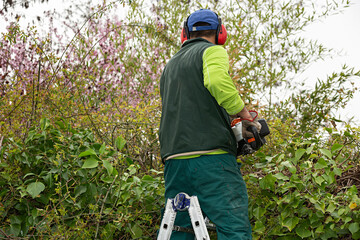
[
  {"x": 1, "y": 140},
  {"x": 102, "y": 206},
  {"x": 2, "y": 232}
]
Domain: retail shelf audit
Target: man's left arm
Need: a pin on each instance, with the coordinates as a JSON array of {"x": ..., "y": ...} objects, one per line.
[{"x": 218, "y": 81}]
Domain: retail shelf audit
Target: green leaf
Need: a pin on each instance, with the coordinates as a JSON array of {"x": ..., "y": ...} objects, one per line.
[
  {"x": 285, "y": 213},
  {"x": 91, "y": 191},
  {"x": 281, "y": 157},
  {"x": 15, "y": 229},
  {"x": 319, "y": 229},
  {"x": 34, "y": 213},
  {"x": 303, "y": 230},
  {"x": 354, "y": 227},
  {"x": 319, "y": 180},
  {"x": 44, "y": 123},
  {"x": 29, "y": 174},
  {"x": 61, "y": 124},
  {"x": 356, "y": 236},
  {"x": 136, "y": 231},
  {"x": 352, "y": 190},
  {"x": 341, "y": 211},
  {"x": 336, "y": 147},
  {"x": 147, "y": 178},
  {"x": 102, "y": 148},
  {"x": 107, "y": 178},
  {"x": 88, "y": 152},
  {"x": 321, "y": 163},
  {"x": 320, "y": 206},
  {"x": 129, "y": 161},
  {"x": 125, "y": 196},
  {"x": 290, "y": 166},
  {"x": 259, "y": 212},
  {"x": 329, "y": 130},
  {"x": 326, "y": 153},
  {"x": 90, "y": 163},
  {"x": 108, "y": 231},
  {"x": 260, "y": 155},
  {"x": 80, "y": 190},
  {"x": 347, "y": 219},
  {"x": 108, "y": 166},
  {"x": 281, "y": 176},
  {"x": 329, "y": 178},
  {"x": 346, "y": 133},
  {"x": 337, "y": 171},
  {"x": 329, "y": 234},
  {"x": 298, "y": 154},
  {"x": 35, "y": 188},
  {"x": 132, "y": 169},
  {"x": 309, "y": 149},
  {"x": 290, "y": 223},
  {"x": 15, "y": 219},
  {"x": 331, "y": 208},
  {"x": 268, "y": 182},
  {"x": 120, "y": 143},
  {"x": 259, "y": 227}
]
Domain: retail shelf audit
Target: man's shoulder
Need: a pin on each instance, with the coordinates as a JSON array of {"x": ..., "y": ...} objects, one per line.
[{"x": 216, "y": 49}]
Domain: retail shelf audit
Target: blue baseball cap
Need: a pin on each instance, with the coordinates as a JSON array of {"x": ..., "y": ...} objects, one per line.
[{"x": 202, "y": 15}]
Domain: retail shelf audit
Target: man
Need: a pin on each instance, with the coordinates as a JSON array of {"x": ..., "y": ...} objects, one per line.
[{"x": 196, "y": 140}]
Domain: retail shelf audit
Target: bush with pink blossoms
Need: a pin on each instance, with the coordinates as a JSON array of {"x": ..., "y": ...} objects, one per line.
[{"x": 103, "y": 78}]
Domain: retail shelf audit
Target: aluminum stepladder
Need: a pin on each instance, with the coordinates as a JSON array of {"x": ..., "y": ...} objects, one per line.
[{"x": 183, "y": 202}]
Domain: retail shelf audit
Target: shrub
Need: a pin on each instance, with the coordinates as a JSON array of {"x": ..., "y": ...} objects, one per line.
[
  {"x": 61, "y": 183},
  {"x": 304, "y": 191}
]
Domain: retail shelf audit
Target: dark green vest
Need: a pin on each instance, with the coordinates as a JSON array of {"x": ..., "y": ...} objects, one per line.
[{"x": 191, "y": 118}]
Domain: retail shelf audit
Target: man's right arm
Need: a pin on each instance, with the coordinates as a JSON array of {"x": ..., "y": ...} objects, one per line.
[{"x": 243, "y": 114}]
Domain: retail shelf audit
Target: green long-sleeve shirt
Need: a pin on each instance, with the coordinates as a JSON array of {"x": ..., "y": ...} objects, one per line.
[{"x": 218, "y": 81}]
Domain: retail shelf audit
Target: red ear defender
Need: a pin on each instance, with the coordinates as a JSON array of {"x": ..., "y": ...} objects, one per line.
[
  {"x": 222, "y": 35},
  {"x": 183, "y": 36}
]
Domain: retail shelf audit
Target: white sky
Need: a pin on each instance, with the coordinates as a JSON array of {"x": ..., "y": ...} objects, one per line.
[{"x": 340, "y": 32}]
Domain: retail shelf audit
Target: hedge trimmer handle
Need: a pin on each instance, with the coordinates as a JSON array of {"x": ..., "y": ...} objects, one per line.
[{"x": 255, "y": 142}]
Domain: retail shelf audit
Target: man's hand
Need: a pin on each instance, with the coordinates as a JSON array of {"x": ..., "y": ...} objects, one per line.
[
  {"x": 246, "y": 124},
  {"x": 248, "y": 118}
]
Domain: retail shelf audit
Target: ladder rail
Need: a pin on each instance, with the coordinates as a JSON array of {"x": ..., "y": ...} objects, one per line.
[
  {"x": 167, "y": 223},
  {"x": 183, "y": 202},
  {"x": 197, "y": 220}
]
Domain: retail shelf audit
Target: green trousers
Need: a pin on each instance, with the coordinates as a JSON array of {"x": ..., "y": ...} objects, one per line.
[{"x": 217, "y": 182}]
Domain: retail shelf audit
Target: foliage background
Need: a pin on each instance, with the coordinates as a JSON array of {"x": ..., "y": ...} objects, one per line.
[{"x": 80, "y": 109}]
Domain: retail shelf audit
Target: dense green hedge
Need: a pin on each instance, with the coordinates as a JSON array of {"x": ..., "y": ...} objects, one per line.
[
  {"x": 299, "y": 192},
  {"x": 61, "y": 183}
]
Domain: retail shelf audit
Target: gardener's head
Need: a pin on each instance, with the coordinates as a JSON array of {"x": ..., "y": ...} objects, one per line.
[{"x": 204, "y": 23}]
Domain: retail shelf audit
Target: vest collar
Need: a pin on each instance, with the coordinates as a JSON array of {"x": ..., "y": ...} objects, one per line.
[{"x": 191, "y": 41}]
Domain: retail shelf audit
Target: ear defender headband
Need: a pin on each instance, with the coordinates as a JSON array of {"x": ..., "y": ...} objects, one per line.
[{"x": 220, "y": 37}]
